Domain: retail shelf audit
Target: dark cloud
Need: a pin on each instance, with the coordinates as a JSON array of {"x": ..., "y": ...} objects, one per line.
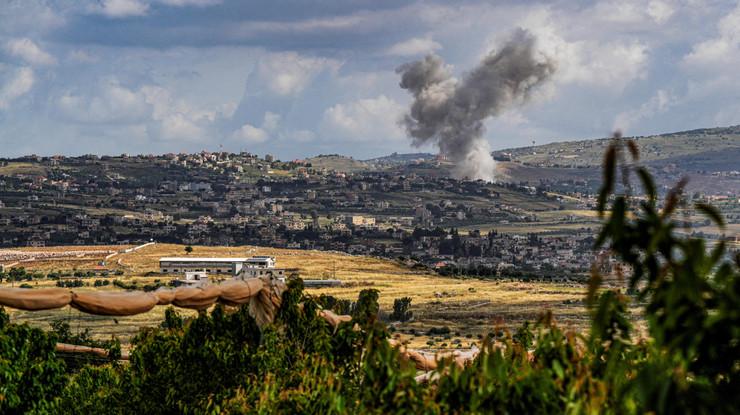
[{"x": 271, "y": 25}]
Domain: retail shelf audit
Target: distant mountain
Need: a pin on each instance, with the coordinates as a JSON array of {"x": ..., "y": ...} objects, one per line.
[
  {"x": 709, "y": 157},
  {"x": 710, "y": 149}
]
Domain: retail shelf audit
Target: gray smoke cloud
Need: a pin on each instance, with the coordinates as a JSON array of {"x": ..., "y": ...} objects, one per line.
[{"x": 450, "y": 112}]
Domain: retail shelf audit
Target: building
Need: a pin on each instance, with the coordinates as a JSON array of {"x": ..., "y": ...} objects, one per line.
[
  {"x": 256, "y": 266},
  {"x": 261, "y": 266},
  {"x": 193, "y": 279},
  {"x": 230, "y": 266},
  {"x": 361, "y": 221}
]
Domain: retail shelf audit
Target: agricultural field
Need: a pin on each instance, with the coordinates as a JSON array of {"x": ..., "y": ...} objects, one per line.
[
  {"x": 16, "y": 168},
  {"x": 467, "y": 307}
]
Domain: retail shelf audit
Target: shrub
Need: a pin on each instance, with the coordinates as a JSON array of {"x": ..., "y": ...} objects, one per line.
[{"x": 401, "y": 310}]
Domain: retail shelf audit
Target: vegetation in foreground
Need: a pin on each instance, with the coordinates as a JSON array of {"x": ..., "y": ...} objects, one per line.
[{"x": 223, "y": 362}]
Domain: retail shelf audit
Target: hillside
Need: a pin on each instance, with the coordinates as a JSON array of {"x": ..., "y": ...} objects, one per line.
[
  {"x": 464, "y": 305},
  {"x": 713, "y": 149},
  {"x": 708, "y": 157},
  {"x": 400, "y": 159},
  {"x": 338, "y": 163}
]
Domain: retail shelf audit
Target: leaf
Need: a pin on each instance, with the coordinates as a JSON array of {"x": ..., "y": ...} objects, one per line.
[
  {"x": 673, "y": 197},
  {"x": 634, "y": 150},
  {"x": 558, "y": 369},
  {"x": 712, "y": 213},
  {"x": 610, "y": 162},
  {"x": 647, "y": 183}
]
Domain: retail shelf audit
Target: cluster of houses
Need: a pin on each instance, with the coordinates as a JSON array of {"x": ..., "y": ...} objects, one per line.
[{"x": 236, "y": 199}]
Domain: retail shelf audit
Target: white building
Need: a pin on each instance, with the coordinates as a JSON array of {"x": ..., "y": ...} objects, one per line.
[
  {"x": 261, "y": 266},
  {"x": 256, "y": 266},
  {"x": 193, "y": 279},
  {"x": 174, "y": 265}
]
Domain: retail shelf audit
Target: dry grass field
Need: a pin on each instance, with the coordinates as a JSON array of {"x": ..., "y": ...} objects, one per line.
[{"x": 468, "y": 307}]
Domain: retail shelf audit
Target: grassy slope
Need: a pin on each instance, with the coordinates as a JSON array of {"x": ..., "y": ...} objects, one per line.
[
  {"x": 338, "y": 163},
  {"x": 469, "y": 306},
  {"x": 681, "y": 146}
]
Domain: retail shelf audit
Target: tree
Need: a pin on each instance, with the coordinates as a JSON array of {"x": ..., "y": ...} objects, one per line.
[
  {"x": 188, "y": 249},
  {"x": 401, "y": 310}
]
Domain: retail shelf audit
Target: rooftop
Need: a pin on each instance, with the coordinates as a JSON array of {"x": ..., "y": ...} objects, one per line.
[{"x": 201, "y": 259}]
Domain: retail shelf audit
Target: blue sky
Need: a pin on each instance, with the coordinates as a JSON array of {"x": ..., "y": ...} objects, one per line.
[{"x": 299, "y": 78}]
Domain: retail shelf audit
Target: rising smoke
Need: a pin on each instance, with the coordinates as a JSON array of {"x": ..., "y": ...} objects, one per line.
[{"x": 451, "y": 112}]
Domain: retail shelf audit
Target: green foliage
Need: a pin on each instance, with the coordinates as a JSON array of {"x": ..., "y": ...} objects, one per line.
[
  {"x": 30, "y": 374},
  {"x": 401, "y": 310},
  {"x": 692, "y": 294}
]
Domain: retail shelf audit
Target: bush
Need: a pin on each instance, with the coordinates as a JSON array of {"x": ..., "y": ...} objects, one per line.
[
  {"x": 436, "y": 331},
  {"x": 401, "y": 310}
]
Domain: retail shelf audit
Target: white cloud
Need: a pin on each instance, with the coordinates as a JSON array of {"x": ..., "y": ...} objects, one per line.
[
  {"x": 287, "y": 74},
  {"x": 365, "y": 119},
  {"x": 121, "y": 8},
  {"x": 610, "y": 64},
  {"x": 721, "y": 53},
  {"x": 108, "y": 102},
  {"x": 414, "y": 46},
  {"x": 29, "y": 51},
  {"x": 254, "y": 135},
  {"x": 631, "y": 12},
  {"x": 661, "y": 102},
  {"x": 250, "y": 134},
  {"x": 660, "y": 11},
  {"x": 16, "y": 87},
  {"x": 179, "y": 126}
]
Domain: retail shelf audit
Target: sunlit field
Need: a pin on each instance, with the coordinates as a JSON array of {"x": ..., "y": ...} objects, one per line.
[{"x": 468, "y": 307}]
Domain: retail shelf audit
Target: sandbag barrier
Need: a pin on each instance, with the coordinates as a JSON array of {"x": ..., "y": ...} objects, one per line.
[
  {"x": 128, "y": 303},
  {"x": 93, "y": 351},
  {"x": 263, "y": 295}
]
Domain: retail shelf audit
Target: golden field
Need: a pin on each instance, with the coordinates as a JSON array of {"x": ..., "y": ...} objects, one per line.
[{"x": 469, "y": 307}]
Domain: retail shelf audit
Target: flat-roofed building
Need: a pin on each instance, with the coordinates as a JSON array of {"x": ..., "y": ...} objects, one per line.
[
  {"x": 253, "y": 267},
  {"x": 260, "y": 266},
  {"x": 175, "y": 265},
  {"x": 260, "y": 261}
]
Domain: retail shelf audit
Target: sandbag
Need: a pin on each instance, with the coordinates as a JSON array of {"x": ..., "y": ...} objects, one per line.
[
  {"x": 333, "y": 318},
  {"x": 196, "y": 298},
  {"x": 422, "y": 360},
  {"x": 263, "y": 306},
  {"x": 238, "y": 292},
  {"x": 96, "y": 351},
  {"x": 35, "y": 299},
  {"x": 113, "y": 303},
  {"x": 165, "y": 296}
]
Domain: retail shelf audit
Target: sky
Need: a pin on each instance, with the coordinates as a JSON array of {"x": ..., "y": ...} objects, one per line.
[{"x": 298, "y": 78}]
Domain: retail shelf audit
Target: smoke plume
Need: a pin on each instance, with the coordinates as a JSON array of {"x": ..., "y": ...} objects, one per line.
[{"x": 451, "y": 112}]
